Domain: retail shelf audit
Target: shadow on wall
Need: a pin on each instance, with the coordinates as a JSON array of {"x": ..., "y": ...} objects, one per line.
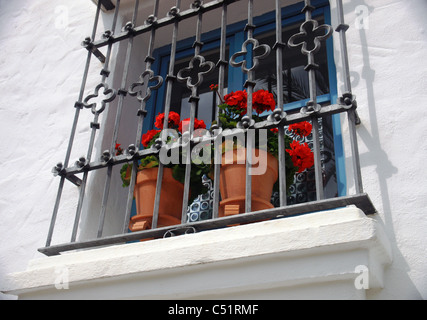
[{"x": 376, "y": 156}]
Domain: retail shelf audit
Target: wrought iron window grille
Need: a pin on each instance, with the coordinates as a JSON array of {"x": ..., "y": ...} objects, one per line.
[{"x": 309, "y": 39}]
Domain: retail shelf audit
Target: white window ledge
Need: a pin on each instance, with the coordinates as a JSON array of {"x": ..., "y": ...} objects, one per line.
[{"x": 337, "y": 254}]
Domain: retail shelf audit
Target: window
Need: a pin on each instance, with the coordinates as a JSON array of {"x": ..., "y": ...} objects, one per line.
[
  {"x": 295, "y": 91},
  {"x": 320, "y": 189}
]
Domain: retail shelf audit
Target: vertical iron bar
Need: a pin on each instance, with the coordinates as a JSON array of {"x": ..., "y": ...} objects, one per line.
[
  {"x": 117, "y": 120},
  {"x": 114, "y": 140},
  {"x": 250, "y": 86},
  {"x": 221, "y": 91},
  {"x": 187, "y": 151},
  {"x": 317, "y": 158},
  {"x": 84, "y": 181},
  {"x": 73, "y": 130},
  {"x": 342, "y": 28},
  {"x": 134, "y": 171},
  {"x": 92, "y": 140},
  {"x": 194, "y": 103},
  {"x": 355, "y": 151},
  {"x": 351, "y": 114},
  {"x": 138, "y": 137},
  {"x": 169, "y": 85},
  {"x": 165, "y": 125},
  {"x": 279, "y": 88},
  {"x": 55, "y": 212},
  {"x": 315, "y": 123}
]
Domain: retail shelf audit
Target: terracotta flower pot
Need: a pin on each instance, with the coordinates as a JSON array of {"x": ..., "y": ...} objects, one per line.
[
  {"x": 171, "y": 195},
  {"x": 233, "y": 182}
]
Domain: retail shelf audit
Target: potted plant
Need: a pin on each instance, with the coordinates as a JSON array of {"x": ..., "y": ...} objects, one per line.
[
  {"x": 233, "y": 173},
  {"x": 172, "y": 191}
]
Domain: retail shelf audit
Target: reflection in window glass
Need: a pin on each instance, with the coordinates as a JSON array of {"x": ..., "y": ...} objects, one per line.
[
  {"x": 295, "y": 78},
  {"x": 207, "y": 103}
]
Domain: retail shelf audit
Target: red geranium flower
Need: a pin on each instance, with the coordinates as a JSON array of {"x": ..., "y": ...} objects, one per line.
[
  {"x": 262, "y": 100},
  {"x": 118, "y": 149},
  {"x": 302, "y": 156},
  {"x": 237, "y": 99},
  {"x": 147, "y": 137},
  {"x": 184, "y": 125},
  {"x": 173, "y": 120},
  {"x": 302, "y": 129}
]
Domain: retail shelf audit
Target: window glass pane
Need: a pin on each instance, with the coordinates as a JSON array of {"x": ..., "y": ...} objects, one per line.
[
  {"x": 295, "y": 78},
  {"x": 181, "y": 94}
]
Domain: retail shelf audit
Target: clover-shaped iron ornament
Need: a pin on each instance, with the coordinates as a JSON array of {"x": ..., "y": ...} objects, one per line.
[
  {"x": 157, "y": 144},
  {"x": 81, "y": 163},
  {"x": 311, "y": 107},
  {"x": 348, "y": 100},
  {"x": 277, "y": 116},
  {"x": 109, "y": 94},
  {"x": 197, "y": 4},
  {"x": 131, "y": 151},
  {"x": 245, "y": 123},
  {"x": 310, "y": 36},
  {"x": 58, "y": 170},
  {"x": 255, "y": 58},
  {"x": 193, "y": 74},
  {"x": 129, "y": 27},
  {"x": 173, "y": 12},
  {"x": 106, "y": 156},
  {"x": 147, "y": 75}
]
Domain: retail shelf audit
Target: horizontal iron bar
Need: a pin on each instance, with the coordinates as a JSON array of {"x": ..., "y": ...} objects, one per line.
[
  {"x": 162, "y": 22},
  {"x": 290, "y": 118},
  {"x": 121, "y": 159},
  {"x": 361, "y": 201}
]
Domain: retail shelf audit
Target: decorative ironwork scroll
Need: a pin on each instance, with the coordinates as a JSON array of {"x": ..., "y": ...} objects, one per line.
[
  {"x": 193, "y": 74},
  {"x": 255, "y": 60},
  {"x": 309, "y": 38},
  {"x": 109, "y": 95},
  {"x": 146, "y": 77}
]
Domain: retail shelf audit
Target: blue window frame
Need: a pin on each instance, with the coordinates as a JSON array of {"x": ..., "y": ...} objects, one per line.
[{"x": 291, "y": 18}]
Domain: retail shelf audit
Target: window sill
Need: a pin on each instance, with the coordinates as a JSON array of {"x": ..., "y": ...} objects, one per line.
[{"x": 292, "y": 258}]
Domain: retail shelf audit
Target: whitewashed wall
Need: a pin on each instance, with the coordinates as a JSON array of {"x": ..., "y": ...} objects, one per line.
[
  {"x": 41, "y": 63},
  {"x": 387, "y": 59}
]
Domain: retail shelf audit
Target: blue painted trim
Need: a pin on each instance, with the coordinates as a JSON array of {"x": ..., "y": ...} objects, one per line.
[{"x": 236, "y": 77}]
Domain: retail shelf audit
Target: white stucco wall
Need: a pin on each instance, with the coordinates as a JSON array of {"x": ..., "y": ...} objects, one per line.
[
  {"x": 389, "y": 80},
  {"x": 41, "y": 63}
]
